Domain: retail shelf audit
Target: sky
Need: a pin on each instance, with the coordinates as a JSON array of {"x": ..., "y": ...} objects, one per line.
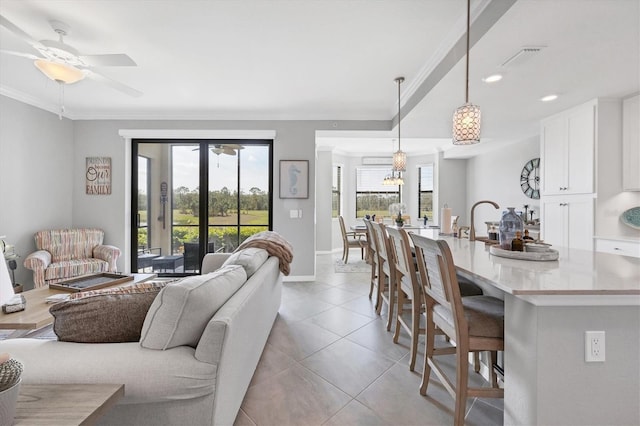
[{"x": 223, "y": 169}]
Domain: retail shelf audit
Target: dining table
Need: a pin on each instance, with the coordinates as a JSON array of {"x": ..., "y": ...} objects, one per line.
[{"x": 549, "y": 307}]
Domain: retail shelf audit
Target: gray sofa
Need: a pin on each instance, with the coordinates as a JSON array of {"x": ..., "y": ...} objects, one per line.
[{"x": 184, "y": 385}]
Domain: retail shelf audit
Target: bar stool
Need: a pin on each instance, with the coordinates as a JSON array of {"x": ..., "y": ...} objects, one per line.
[
  {"x": 475, "y": 323},
  {"x": 386, "y": 272}
]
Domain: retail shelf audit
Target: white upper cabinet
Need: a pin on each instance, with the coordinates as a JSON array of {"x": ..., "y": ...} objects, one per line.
[
  {"x": 631, "y": 144},
  {"x": 568, "y": 143}
]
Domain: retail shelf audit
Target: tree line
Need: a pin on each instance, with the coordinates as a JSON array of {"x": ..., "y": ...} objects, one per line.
[{"x": 221, "y": 202}]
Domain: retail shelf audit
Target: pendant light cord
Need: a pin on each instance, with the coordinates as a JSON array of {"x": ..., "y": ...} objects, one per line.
[
  {"x": 399, "y": 110},
  {"x": 466, "y": 96}
]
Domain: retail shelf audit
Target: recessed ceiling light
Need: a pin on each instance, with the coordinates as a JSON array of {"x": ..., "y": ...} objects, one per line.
[
  {"x": 549, "y": 98},
  {"x": 492, "y": 78}
]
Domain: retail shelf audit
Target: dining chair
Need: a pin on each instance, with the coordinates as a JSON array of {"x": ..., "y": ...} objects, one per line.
[
  {"x": 386, "y": 272},
  {"x": 372, "y": 255},
  {"x": 407, "y": 290},
  {"x": 474, "y": 323},
  {"x": 351, "y": 240}
]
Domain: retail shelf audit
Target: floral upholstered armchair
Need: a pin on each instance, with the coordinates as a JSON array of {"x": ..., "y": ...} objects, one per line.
[{"x": 68, "y": 253}]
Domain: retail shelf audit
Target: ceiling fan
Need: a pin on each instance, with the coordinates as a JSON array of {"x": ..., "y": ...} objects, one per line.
[
  {"x": 64, "y": 64},
  {"x": 224, "y": 148}
]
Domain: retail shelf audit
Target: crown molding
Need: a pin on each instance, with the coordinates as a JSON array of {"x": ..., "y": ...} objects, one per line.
[{"x": 33, "y": 101}]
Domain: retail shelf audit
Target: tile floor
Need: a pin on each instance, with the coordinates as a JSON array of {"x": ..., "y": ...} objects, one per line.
[{"x": 330, "y": 361}]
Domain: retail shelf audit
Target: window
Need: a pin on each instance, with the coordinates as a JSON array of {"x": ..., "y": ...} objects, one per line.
[
  {"x": 336, "y": 192},
  {"x": 372, "y": 197},
  {"x": 425, "y": 191},
  {"x": 196, "y": 197}
]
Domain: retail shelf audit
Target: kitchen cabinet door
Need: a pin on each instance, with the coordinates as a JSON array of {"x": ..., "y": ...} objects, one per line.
[
  {"x": 554, "y": 156},
  {"x": 568, "y": 221},
  {"x": 567, "y": 151}
]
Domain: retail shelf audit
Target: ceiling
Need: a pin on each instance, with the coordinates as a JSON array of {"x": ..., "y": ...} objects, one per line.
[{"x": 335, "y": 60}]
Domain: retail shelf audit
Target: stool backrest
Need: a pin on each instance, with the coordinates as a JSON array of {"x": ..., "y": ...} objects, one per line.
[
  {"x": 403, "y": 258},
  {"x": 438, "y": 278}
]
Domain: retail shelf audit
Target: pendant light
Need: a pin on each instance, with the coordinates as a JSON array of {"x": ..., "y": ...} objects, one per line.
[
  {"x": 466, "y": 119},
  {"x": 395, "y": 178},
  {"x": 399, "y": 157}
]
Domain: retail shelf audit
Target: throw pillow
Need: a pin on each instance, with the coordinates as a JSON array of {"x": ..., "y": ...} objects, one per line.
[
  {"x": 113, "y": 315},
  {"x": 250, "y": 259},
  {"x": 180, "y": 313}
]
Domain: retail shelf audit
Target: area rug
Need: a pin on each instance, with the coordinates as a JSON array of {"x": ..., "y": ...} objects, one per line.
[{"x": 354, "y": 265}]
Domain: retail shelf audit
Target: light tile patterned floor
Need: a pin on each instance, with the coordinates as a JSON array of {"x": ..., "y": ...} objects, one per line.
[{"x": 330, "y": 361}]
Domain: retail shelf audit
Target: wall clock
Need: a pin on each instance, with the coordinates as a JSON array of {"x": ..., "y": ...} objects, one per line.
[{"x": 530, "y": 179}]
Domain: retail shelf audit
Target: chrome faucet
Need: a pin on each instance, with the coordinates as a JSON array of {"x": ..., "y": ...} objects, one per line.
[{"x": 472, "y": 229}]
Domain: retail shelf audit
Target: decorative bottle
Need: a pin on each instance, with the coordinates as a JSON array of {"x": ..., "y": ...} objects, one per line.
[
  {"x": 517, "y": 244},
  {"x": 510, "y": 223}
]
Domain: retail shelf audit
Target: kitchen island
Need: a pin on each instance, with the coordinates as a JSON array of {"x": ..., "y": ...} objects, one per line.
[{"x": 548, "y": 308}]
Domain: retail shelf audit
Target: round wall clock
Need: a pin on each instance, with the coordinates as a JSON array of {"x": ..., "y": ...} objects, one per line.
[{"x": 530, "y": 179}]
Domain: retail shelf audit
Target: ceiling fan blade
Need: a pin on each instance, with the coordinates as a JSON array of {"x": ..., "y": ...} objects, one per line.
[
  {"x": 18, "y": 32},
  {"x": 22, "y": 54},
  {"x": 113, "y": 83},
  {"x": 232, "y": 146},
  {"x": 108, "y": 60},
  {"x": 228, "y": 151}
]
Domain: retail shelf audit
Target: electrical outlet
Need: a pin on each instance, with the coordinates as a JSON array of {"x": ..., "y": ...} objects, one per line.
[{"x": 594, "y": 346}]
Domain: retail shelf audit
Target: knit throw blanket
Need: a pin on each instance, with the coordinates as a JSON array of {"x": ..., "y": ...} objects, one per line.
[{"x": 274, "y": 244}]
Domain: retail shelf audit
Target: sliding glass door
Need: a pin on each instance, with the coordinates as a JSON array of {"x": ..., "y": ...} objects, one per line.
[{"x": 202, "y": 196}]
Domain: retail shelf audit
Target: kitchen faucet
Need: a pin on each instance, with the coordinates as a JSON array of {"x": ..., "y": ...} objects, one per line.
[{"x": 472, "y": 229}]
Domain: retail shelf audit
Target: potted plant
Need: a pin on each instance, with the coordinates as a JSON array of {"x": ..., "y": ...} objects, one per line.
[{"x": 395, "y": 211}]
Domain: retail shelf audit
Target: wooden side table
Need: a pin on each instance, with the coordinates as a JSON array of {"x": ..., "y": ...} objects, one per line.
[{"x": 65, "y": 404}]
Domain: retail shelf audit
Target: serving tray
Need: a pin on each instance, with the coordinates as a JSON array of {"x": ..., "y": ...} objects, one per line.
[
  {"x": 540, "y": 256},
  {"x": 91, "y": 282}
]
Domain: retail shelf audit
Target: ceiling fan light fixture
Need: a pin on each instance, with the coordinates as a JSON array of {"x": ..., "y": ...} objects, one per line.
[{"x": 61, "y": 73}]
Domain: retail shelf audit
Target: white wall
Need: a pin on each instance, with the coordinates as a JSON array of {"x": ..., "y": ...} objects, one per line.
[
  {"x": 495, "y": 176},
  {"x": 324, "y": 185},
  {"x": 451, "y": 183},
  {"x": 612, "y": 200},
  {"x": 36, "y": 176}
]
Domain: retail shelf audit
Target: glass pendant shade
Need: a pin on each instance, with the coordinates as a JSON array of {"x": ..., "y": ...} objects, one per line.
[
  {"x": 62, "y": 73},
  {"x": 399, "y": 161},
  {"x": 466, "y": 125},
  {"x": 393, "y": 180}
]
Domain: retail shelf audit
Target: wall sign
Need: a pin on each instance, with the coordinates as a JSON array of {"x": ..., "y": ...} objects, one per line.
[{"x": 98, "y": 176}]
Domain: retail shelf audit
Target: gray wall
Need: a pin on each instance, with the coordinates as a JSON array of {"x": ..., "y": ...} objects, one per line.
[
  {"x": 47, "y": 157},
  {"x": 495, "y": 176},
  {"x": 36, "y": 176}
]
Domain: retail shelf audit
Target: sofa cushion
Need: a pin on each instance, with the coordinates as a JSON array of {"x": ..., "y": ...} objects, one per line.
[
  {"x": 180, "y": 313},
  {"x": 74, "y": 268},
  {"x": 250, "y": 259},
  {"x": 113, "y": 315}
]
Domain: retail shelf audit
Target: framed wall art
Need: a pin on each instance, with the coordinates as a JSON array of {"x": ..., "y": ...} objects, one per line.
[
  {"x": 98, "y": 176},
  {"x": 294, "y": 179}
]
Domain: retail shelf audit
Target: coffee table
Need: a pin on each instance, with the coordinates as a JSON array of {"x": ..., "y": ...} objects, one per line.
[
  {"x": 68, "y": 404},
  {"x": 167, "y": 263},
  {"x": 37, "y": 315}
]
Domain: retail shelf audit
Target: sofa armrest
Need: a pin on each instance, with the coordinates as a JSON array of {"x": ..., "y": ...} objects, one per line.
[
  {"x": 38, "y": 262},
  {"x": 213, "y": 261},
  {"x": 107, "y": 253}
]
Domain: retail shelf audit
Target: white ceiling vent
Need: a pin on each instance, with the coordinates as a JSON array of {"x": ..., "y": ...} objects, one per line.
[
  {"x": 521, "y": 56},
  {"x": 377, "y": 161}
]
